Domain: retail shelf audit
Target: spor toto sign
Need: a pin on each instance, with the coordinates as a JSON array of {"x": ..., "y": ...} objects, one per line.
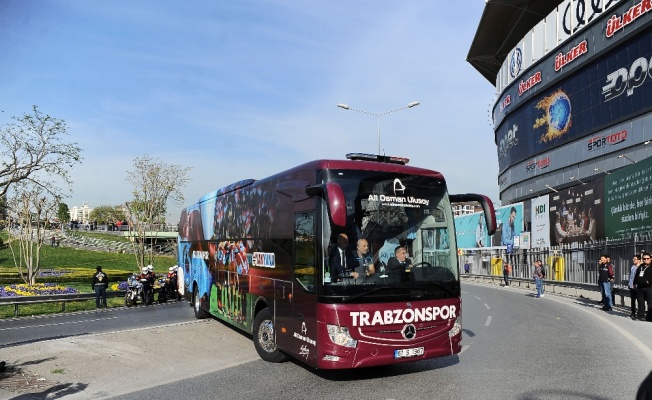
[{"x": 599, "y": 142}]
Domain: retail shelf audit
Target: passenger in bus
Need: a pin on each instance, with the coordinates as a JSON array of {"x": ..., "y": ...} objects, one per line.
[
  {"x": 364, "y": 271},
  {"x": 341, "y": 261}
]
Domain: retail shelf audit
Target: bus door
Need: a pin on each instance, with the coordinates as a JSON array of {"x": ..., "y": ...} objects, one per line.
[
  {"x": 283, "y": 314},
  {"x": 304, "y": 300}
]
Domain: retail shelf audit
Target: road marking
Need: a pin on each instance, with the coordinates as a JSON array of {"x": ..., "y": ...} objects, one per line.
[
  {"x": 464, "y": 348},
  {"x": 647, "y": 352},
  {"x": 487, "y": 306},
  {"x": 477, "y": 298},
  {"x": 58, "y": 323},
  {"x": 488, "y": 320}
]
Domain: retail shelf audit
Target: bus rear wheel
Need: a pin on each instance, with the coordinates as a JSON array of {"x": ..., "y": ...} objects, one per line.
[{"x": 264, "y": 339}]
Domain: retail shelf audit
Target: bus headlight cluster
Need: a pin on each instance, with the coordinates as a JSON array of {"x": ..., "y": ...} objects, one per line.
[
  {"x": 340, "y": 336},
  {"x": 457, "y": 327}
]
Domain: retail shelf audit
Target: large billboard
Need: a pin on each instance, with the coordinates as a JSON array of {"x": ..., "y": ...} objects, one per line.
[
  {"x": 540, "y": 218},
  {"x": 577, "y": 214},
  {"x": 612, "y": 88},
  {"x": 471, "y": 231},
  {"x": 628, "y": 200}
]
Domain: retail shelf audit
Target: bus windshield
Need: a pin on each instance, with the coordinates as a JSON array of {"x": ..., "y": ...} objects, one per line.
[{"x": 398, "y": 243}]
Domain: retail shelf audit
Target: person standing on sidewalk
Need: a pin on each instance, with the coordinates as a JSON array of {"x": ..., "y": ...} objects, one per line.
[
  {"x": 100, "y": 283},
  {"x": 632, "y": 291},
  {"x": 643, "y": 286},
  {"x": 506, "y": 270},
  {"x": 605, "y": 279},
  {"x": 538, "y": 277}
]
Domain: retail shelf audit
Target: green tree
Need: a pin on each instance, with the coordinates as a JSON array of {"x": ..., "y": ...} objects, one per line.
[
  {"x": 108, "y": 214},
  {"x": 35, "y": 159},
  {"x": 63, "y": 213},
  {"x": 30, "y": 207},
  {"x": 155, "y": 183}
]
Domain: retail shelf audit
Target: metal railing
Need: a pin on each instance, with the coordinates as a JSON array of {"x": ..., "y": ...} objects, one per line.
[
  {"x": 570, "y": 263},
  {"x": 55, "y": 298}
]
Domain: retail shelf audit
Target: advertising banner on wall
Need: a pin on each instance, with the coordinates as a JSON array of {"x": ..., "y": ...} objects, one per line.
[
  {"x": 540, "y": 221},
  {"x": 628, "y": 200},
  {"x": 471, "y": 229},
  {"x": 510, "y": 223},
  {"x": 577, "y": 214},
  {"x": 614, "y": 87}
]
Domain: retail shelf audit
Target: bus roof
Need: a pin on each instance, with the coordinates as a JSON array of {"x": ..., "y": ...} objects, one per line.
[{"x": 359, "y": 165}]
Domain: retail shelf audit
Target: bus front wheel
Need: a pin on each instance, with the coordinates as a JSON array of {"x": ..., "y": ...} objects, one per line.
[
  {"x": 196, "y": 302},
  {"x": 264, "y": 339}
]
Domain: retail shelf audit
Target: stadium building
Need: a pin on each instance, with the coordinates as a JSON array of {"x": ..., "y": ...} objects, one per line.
[{"x": 573, "y": 114}]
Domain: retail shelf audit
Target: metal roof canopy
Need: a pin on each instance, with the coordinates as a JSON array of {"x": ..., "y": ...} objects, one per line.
[{"x": 502, "y": 25}]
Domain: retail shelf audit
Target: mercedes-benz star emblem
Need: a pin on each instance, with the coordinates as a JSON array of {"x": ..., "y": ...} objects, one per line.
[{"x": 409, "y": 331}]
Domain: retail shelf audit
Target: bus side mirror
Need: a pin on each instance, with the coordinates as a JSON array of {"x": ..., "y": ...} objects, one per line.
[
  {"x": 487, "y": 207},
  {"x": 334, "y": 196}
]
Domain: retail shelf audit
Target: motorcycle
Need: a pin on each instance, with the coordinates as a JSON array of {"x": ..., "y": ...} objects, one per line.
[
  {"x": 168, "y": 290},
  {"x": 135, "y": 292}
]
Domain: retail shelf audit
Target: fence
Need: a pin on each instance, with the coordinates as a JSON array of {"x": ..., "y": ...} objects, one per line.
[
  {"x": 57, "y": 298},
  {"x": 569, "y": 263}
]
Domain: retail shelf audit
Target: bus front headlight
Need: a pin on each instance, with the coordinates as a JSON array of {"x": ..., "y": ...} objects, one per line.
[
  {"x": 457, "y": 327},
  {"x": 340, "y": 336}
]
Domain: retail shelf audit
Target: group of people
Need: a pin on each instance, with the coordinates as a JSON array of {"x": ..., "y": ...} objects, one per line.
[
  {"x": 640, "y": 287},
  {"x": 358, "y": 267},
  {"x": 100, "y": 282}
]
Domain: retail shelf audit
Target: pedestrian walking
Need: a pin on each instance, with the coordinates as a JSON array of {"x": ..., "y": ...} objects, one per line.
[
  {"x": 643, "y": 286},
  {"x": 100, "y": 283},
  {"x": 632, "y": 290},
  {"x": 538, "y": 277},
  {"x": 605, "y": 280}
]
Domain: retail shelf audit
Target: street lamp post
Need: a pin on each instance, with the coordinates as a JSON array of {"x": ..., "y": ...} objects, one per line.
[
  {"x": 378, "y": 115},
  {"x": 552, "y": 188},
  {"x": 596, "y": 169},
  {"x": 627, "y": 158}
]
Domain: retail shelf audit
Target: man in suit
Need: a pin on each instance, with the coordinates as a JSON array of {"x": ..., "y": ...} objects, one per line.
[
  {"x": 342, "y": 261},
  {"x": 399, "y": 265}
]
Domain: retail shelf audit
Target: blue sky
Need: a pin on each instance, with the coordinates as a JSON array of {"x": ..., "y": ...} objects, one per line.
[{"x": 245, "y": 89}]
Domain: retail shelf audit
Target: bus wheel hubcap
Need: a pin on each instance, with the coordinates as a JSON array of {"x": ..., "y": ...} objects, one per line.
[{"x": 266, "y": 336}]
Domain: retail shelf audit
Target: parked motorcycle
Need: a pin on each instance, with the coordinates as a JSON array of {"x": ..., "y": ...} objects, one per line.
[
  {"x": 135, "y": 292},
  {"x": 168, "y": 290}
]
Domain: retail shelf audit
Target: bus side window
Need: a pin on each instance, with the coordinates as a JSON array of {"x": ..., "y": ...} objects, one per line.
[{"x": 304, "y": 250}]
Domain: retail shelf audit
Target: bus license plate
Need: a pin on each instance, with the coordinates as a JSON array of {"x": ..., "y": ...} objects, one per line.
[{"x": 415, "y": 352}]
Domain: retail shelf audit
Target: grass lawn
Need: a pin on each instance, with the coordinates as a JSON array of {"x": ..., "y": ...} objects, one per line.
[{"x": 74, "y": 268}]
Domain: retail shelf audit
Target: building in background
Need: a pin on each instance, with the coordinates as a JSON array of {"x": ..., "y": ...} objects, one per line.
[
  {"x": 572, "y": 115},
  {"x": 81, "y": 214},
  {"x": 467, "y": 208}
]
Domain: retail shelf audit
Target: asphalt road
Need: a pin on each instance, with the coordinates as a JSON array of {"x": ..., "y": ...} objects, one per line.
[{"x": 514, "y": 347}]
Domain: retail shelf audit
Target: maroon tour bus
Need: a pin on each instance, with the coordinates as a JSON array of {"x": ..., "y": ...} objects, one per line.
[{"x": 337, "y": 263}]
